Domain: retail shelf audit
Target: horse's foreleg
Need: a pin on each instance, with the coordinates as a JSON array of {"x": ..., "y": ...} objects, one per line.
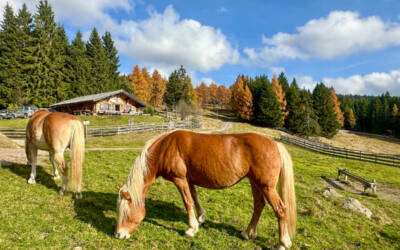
[
  {"x": 31, "y": 154},
  {"x": 259, "y": 204},
  {"x": 280, "y": 211},
  {"x": 201, "y": 213},
  {"x": 183, "y": 187},
  {"x": 54, "y": 163}
]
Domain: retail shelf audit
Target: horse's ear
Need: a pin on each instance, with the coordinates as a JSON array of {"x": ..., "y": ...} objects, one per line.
[
  {"x": 126, "y": 195},
  {"x": 118, "y": 187}
]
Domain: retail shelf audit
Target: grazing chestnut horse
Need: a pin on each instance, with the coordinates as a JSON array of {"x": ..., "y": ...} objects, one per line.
[
  {"x": 54, "y": 132},
  {"x": 213, "y": 161}
]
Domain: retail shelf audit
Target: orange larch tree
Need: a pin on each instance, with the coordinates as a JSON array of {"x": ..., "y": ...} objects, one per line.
[
  {"x": 149, "y": 82},
  {"x": 280, "y": 95},
  {"x": 338, "y": 111},
  {"x": 212, "y": 93},
  {"x": 157, "y": 89},
  {"x": 140, "y": 84},
  {"x": 241, "y": 99},
  {"x": 201, "y": 92}
]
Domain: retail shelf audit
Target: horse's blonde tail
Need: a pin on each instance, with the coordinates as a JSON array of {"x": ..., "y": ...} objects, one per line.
[
  {"x": 77, "y": 146},
  {"x": 286, "y": 188}
]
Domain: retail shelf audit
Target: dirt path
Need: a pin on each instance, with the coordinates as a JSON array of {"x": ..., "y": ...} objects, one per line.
[{"x": 384, "y": 191}]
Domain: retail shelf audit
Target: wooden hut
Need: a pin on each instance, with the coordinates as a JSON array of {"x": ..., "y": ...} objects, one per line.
[{"x": 115, "y": 102}]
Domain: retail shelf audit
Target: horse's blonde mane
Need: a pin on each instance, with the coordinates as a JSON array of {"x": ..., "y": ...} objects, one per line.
[{"x": 134, "y": 184}]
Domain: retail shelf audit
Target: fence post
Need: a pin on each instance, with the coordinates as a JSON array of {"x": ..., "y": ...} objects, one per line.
[{"x": 85, "y": 125}]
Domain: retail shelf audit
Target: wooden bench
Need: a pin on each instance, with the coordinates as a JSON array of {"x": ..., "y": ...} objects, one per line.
[{"x": 367, "y": 184}]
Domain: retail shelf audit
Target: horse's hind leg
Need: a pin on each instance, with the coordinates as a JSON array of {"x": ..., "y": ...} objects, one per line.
[
  {"x": 201, "y": 213},
  {"x": 59, "y": 159},
  {"x": 31, "y": 154},
  {"x": 183, "y": 187},
  {"x": 280, "y": 211},
  {"x": 54, "y": 163},
  {"x": 259, "y": 204}
]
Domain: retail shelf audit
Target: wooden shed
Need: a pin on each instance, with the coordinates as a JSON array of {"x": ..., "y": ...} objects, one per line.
[{"x": 115, "y": 102}]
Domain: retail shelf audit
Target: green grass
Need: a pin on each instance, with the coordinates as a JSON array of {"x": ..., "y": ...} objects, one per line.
[
  {"x": 13, "y": 123},
  {"x": 130, "y": 140},
  {"x": 36, "y": 216},
  {"x": 104, "y": 120}
]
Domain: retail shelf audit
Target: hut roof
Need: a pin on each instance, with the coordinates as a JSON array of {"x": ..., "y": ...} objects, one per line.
[{"x": 97, "y": 97}]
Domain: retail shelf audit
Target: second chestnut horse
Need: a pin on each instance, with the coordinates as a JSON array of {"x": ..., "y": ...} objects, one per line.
[{"x": 215, "y": 161}]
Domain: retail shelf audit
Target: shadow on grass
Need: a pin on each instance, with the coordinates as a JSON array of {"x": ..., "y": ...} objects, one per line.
[
  {"x": 92, "y": 208},
  {"x": 24, "y": 171}
]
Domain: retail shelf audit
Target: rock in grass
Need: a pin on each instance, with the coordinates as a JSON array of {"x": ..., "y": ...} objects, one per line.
[
  {"x": 330, "y": 192},
  {"x": 356, "y": 206}
]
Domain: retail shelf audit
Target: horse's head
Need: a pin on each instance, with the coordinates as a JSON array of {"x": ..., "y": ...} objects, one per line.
[{"x": 129, "y": 215}]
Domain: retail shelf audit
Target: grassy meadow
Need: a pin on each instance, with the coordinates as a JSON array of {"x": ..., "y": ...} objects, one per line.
[
  {"x": 35, "y": 216},
  {"x": 97, "y": 120}
]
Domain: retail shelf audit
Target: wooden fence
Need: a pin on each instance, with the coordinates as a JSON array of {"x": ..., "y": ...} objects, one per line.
[
  {"x": 13, "y": 133},
  {"x": 92, "y": 131},
  {"x": 116, "y": 130},
  {"x": 385, "y": 159}
]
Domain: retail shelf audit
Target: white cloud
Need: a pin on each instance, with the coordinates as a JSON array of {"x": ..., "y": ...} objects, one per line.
[
  {"x": 341, "y": 33},
  {"x": 77, "y": 12},
  {"x": 164, "y": 39},
  {"x": 375, "y": 83},
  {"x": 372, "y": 84},
  {"x": 305, "y": 82}
]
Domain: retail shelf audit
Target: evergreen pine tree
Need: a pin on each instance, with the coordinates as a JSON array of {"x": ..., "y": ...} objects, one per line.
[
  {"x": 283, "y": 82},
  {"x": 324, "y": 109},
  {"x": 25, "y": 54},
  {"x": 79, "y": 68},
  {"x": 61, "y": 72},
  {"x": 45, "y": 70},
  {"x": 179, "y": 87},
  {"x": 99, "y": 80},
  {"x": 10, "y": 77},
  {"x": 268, "y": 107},
  {"x": 112, "y": 55}
]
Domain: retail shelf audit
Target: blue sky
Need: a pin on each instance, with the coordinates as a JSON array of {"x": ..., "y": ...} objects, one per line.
[{"x": 353, "y": 46}]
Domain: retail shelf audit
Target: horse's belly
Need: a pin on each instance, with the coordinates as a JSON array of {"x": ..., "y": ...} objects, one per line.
[{"x": 217, "y": 179}]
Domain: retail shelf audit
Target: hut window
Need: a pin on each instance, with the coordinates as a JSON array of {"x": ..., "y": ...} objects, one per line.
[{"x": 104, "y": 106}]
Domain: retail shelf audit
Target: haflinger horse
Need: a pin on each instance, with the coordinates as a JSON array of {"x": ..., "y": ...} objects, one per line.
[
  {"x": 54, "y": 132},
  {"x": 214, "y": 161}
]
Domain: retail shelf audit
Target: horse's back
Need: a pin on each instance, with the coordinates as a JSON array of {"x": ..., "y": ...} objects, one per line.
[
  {"x": 217, "y": 160},
  {"x": 46, "y": 129}
]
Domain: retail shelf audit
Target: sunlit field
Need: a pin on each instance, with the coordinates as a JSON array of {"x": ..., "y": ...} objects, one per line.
[{"x": 35, "y": 216}]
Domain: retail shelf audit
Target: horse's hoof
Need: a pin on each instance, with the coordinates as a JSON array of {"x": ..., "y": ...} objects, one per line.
[
  {"x": 61, "y": 192},
  {"x": 31, "y": 181},
  {"x": 191, "y": 232},
  {"x": 78, "y": 196},
  {"x": 201, "y": 219},
  {"x": 56, "y": 177},
  {"x": 280, "y": 247},
  {"x": 245, "y": 235}
]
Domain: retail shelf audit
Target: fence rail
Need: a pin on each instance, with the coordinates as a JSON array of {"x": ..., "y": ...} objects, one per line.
[
  {"x": 13, "y": 133},
  {"x": 116, "y": 130},
  {"x": 94, "y": 131},
  {"x": 385, "y": 159}
]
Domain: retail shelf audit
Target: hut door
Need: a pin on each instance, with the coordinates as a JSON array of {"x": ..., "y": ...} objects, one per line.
[{"x": 117, "y": 107}]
